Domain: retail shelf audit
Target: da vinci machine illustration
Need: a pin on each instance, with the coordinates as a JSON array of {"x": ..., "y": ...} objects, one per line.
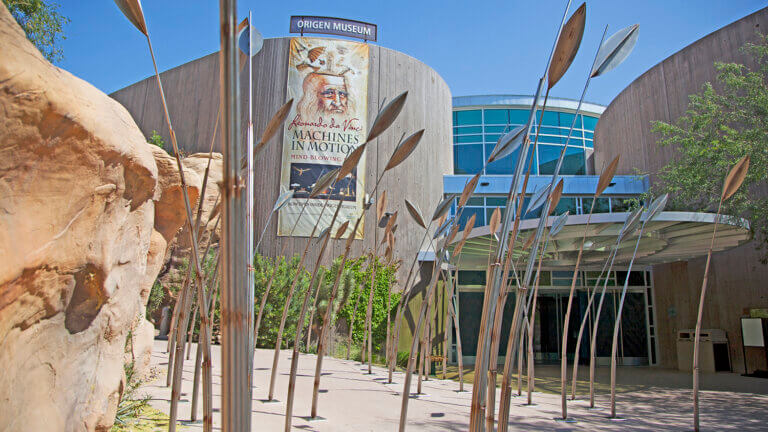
[{"x": 329, "y": 79}]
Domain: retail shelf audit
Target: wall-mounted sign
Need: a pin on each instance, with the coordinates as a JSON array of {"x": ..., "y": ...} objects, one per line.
[
  {"x": 334, "y": 26},
  {"x": 329, "y": 80}
]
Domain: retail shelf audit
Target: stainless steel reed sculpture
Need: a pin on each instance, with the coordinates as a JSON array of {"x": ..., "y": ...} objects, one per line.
[{"x": 733, "y": 182}]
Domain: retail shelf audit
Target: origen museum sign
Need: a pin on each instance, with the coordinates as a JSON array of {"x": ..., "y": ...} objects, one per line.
[{"x": 333, "y": 26}]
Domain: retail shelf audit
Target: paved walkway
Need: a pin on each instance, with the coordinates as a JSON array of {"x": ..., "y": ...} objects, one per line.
[{"x": 352, "y": 400}]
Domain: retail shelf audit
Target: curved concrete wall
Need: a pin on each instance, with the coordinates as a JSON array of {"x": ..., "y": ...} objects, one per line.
[
  {"x": 192, "y": 91},
  {"x": 737, "y": 276}
]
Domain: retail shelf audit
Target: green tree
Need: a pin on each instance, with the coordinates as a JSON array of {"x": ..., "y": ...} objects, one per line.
[
  {"x": 719, "y": 127},
  {"x": 42, "y": 23}
]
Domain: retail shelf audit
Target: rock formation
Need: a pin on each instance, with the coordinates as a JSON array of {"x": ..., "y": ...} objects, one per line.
[{"x": 87, "y": 209}]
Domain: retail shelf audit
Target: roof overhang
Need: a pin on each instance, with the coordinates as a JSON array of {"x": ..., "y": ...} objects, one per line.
[{"x": 669, "y": 237}]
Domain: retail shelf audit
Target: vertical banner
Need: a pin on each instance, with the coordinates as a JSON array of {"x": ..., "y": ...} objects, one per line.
[{"x": 328, "y": 79}]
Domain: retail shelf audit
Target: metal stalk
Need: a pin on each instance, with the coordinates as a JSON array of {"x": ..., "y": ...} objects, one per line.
[{"x": 236, "y": 296}]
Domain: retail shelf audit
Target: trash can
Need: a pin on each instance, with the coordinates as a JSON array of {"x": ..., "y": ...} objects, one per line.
[{"x": 714, "y": 355}]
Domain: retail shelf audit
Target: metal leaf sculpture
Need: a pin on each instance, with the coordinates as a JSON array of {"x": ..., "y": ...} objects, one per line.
[
  {"x": 735, "y": 178},
  {"x": 323, "y": 233},
  {"x": 274, "y": 125},
  {"x": 495, "y": 220},
  {"x": 538, "y": 199},
  {"x": 406, "y": 147},
  {"x": 254, "y": 43},
  {"x": 443, "y": 207},
  {"x": 387, "y": 116},
  {"x": 390, "y": 224},
  {"x": 468, "y": 227},
  {"x": 468, "y": 190},
  {"x": 630, "y": 225},
  {"x": 351, "y": 162},
  {"x": 342, "y": 229},
  {"x": 453, "y": 233},
  {"x": 733, "y": 181},
  {"x": 282, "y": 200},
  {"x": 556, "y": 195},
  {"x": 567, "y": 45},
  {"x": 440, "y": 231},
  {"x": 607, "y": 176},
  {"x": 459, "y": 247},
  {"x": 132, "y": 10},
  {"x": 615, "y": 49},
  {"x": 558, "y": 224},
  {"x": 508, "y": 143},
  {"x": 529, "y": 241},
  {"x": 324, "y": 182},
  {"x": 415, "y": 213},
  {"x": 656, "y": 207},
  {"x": 381, "y": 205}
]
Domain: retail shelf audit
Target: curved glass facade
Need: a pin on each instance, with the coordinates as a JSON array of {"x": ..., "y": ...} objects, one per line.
[{"x": 477, "y": 129}]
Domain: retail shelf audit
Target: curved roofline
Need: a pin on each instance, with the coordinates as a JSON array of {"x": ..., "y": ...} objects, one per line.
[{"x": 564, "y": 104}]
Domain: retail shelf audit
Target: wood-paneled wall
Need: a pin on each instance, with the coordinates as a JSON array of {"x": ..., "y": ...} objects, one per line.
[
  {"x": 738, "y": 278},
  {"x": 193, "y": 98}
]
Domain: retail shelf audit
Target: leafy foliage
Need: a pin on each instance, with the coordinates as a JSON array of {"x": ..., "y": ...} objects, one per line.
[
  {"x": 42, "y": 23},
  {"x": 385, "y": 278},
  {"x": 131, "y": 404},
  {"x": 718, "y": 128},
  {"x": 157, "y": 139},
  {"x": 286, "y": 271}
]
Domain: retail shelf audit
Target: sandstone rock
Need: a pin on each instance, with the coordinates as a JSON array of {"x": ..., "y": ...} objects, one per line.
[
  {"x": 78, "y": 242},
  {"x": 197, "y": 163}
]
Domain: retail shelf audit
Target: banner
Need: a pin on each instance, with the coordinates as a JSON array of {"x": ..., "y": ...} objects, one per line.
[{"x": 328, "y": 81}]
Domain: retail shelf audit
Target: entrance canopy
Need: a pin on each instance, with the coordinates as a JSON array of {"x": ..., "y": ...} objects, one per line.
[{"x": 671, "y": 236}]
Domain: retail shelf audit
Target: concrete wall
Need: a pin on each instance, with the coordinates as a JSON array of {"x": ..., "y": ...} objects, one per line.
[
  {"x": 192, "y": 90},
  {"x": 737, "y": 276}
]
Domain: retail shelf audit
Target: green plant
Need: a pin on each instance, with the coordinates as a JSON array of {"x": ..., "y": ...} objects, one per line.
[
  {"x": 156, "y": 139},
  {"x": 131, "y": 404},
  {"x": 385, "y": 278},
  {"x": 719, "y": 127},
  {"x": 42, "y": 23},
  {"x": 273, "y": 310}
]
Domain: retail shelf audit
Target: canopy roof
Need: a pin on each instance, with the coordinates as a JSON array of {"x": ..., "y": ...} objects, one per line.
[{"x": 671, "y": 236}]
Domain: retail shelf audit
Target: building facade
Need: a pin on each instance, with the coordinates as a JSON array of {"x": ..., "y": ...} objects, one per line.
[
  {"x": 478, "y": 123},
  {"x": 737, "y": 277}
]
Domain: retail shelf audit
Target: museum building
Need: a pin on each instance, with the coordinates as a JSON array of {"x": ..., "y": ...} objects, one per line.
[{"x": 664, "y": 283}]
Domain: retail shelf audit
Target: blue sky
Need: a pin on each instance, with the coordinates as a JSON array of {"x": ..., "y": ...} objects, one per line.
[{"x": 477, "y": 47}]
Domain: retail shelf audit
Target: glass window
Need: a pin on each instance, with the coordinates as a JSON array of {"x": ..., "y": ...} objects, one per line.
[
  {"x": 551, "y": 118},
  {"x": 467, "y": 117},
  {"x": 566, "y": 204},
  {"x": 518, "y": 117},
  {"x": 468, "y": 212},
  {"x": 574, "y": 163},
  {"x": 471, "y": 277},
  {"x": 507, "y": 164},
  {"x": 529, "y": 215},
  {"x": 548, "y": 155},
  {"x": 619, "y": 205},
  {"x": 566, "y": 119},
  {"x": 492, "y": 138},
  {"x": 463, "y": 139},
  {"x": 475, "y": 202},
  {"x": 467, "y": 159},
  {"x": 496, "y": 129},
  {"x": 468, "y": 130},
  {"x": 496, "y": 116},
  {"x": 496, "y": 201},
  {"x": 601, "y": 206},
  {"x": 545, "y": 278},
  {"x": 588, "y": 143},
  {"x": 489, "y": 211},
  {"x": 590, "y": 123},
  {"x": 635, "y": 278}
]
